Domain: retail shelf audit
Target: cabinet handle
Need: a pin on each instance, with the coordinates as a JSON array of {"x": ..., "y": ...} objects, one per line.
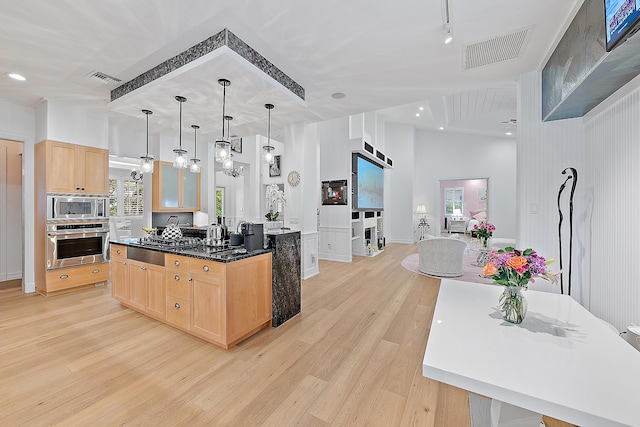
[
  {"x": 143, "y": 268},
  {"x": 205, "y": 267},
  {"x": 118, "y": 251},
  {"x": 124, "y": 263},
  {"x": 176, "y": 262},
  {"x": 176, "y": 277},
  {"x": 191, "y": 279},
  {"x": 97, "y": 270},
  {"x": 176, "y": 305},
  {"x": 64, "y": 276}
]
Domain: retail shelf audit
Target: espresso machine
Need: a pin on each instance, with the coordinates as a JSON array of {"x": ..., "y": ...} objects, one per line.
[{"x": 253, "y": 236}]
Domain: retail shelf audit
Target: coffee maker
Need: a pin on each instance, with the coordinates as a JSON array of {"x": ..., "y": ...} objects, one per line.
[{"x": 253, "y": 236}]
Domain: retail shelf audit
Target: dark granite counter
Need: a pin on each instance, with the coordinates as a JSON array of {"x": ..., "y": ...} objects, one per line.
[
  {"x": 201, "y": 251},
  {"x": 286, "y": 275}
]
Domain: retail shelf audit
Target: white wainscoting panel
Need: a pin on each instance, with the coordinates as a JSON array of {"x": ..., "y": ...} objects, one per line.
[
  {"x": 613, "y": 182},
  {"x": 335, "y": 243},
  {"x": 309, "y": 243}
]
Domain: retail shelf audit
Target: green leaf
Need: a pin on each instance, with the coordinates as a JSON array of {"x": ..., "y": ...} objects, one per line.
[{"x": 527, "y": 252}]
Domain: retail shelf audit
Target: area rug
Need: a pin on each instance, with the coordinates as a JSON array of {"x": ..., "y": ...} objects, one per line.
[{"x": 471, "y": 273}]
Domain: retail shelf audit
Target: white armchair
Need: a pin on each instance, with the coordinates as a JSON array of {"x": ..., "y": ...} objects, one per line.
[{"x": 441, "y": 256}]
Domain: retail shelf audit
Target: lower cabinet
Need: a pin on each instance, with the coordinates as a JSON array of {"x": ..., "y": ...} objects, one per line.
[
  {"x": 146, "y": 288},
  {"x": 222, "y": 303},
  {"x": 65, "y": 279}
]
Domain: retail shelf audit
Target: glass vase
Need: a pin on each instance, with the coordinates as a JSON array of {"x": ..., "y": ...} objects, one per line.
[
  {"x": 485, "y": 242},
  {"x": 513, "y": 304}
]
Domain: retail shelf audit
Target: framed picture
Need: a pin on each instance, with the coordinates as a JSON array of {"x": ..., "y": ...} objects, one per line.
[
  {"x": 236, "y": 145},
  {"x": 334, "y": 192},
  {"x": 275, "y": 169}
]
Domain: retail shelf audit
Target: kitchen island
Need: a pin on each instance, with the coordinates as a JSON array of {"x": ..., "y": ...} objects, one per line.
[{"x": 221, "y": 296}]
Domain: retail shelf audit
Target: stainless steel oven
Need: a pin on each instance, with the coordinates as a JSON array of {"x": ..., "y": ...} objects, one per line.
[
  {"x": 72, "y": 244},
  {"x": 60, "y": 207}
]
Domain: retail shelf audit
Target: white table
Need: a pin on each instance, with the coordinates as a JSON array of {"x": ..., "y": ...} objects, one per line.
[{"x": 561, "y": 361}]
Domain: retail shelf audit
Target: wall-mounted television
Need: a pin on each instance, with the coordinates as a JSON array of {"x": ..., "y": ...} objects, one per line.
[
  {"x": 334, "y": 192},
  {"x": 368, "y": 184},
  {"x": 621, "y": 19}
]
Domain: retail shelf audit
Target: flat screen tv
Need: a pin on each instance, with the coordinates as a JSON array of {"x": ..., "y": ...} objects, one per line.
[
  {"x": 621, "y": 18},
  {"x": 368, "y": 184}
]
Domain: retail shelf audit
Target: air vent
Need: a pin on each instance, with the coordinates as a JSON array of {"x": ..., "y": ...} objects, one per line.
[
  {"x": 104, "y": 78},
  {"x": 494, "y": 50}
]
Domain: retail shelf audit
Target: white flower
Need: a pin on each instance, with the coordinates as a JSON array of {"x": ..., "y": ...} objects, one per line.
[{"x": 273, "y": 196}]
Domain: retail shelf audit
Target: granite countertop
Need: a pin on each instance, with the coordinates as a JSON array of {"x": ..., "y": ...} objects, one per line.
[{"x": 201, "y": 251}]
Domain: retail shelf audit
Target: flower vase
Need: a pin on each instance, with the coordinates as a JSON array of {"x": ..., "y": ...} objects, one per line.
[
  {"x": 513, "y": 304},
  {"x": 485, "y": 242}
]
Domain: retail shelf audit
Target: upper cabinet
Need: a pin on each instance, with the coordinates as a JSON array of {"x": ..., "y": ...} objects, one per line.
[
  {"x": 76, "y": 169},
  {"x": 175, "y": 190}
]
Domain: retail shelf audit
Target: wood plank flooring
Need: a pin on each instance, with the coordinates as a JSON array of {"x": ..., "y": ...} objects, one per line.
[{"x": 353, "y": 357}]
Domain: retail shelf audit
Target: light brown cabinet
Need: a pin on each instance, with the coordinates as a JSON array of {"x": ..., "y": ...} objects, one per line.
[
  {"x": 175, "y": 190},
  {"x": 146, "y": 288},
  {"x": 76, "y": 169},
  {"x": 63, "y": 279},
  {"x": 119, "y": 273},
  {"x": 222, "y": 303}
]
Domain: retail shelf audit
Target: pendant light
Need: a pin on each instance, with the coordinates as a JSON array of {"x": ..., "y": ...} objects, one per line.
[
  {"x": 227, "y": 163},
  {"x": 146, "y": 161},
  {"x": 269, "y": 149},
  {"x": 195, "y": 162},
  {"x": 180, "y": 160},
  {"x": 223, "y": 147}
]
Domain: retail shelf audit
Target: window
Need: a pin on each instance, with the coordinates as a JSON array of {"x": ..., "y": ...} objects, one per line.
[
  {"x": 125, "y": 197},
  {"x": 453, "y": 201},
  {"x": 219, "y": 202}
]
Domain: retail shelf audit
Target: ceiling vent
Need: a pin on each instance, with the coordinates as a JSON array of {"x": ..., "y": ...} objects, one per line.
[
  {"x": 494, "y": 50},
  {"x": 104, "y": 78}
]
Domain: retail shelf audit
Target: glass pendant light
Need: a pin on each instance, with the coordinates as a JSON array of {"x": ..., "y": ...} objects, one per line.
[
  {"x": 146, "y": 161},
  {"x": 223, "y": 146},
  {"x": 269, "y": 149},
  {"x": 180, "y": 160},
  {"x": 195, "y": 162},
  {"x": 228, "y": 163}
]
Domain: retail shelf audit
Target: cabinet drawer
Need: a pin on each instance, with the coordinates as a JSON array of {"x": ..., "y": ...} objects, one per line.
[
  {"x": 178, "y": 285},
  {"x": 178, "y": 312},
  {"x": 176, "y": 262},
  {"x": 118, "y": 251},
  {"x": 207, "y": 267},
  {"x": 64, "y": 278}
]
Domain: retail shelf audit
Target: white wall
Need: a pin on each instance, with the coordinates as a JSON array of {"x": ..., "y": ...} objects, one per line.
[
  {"x": 450, "y": 156},
  {"x": 335, "y": 164},
  {"x": 612, "y": 155},
  {"x": 17, "y": 123},
  {"x": 11, "y": 228},
  {"x": 544, "y": 151},
  {"x": 400, "y": 184},
  {"x": 67, "y": 123}
]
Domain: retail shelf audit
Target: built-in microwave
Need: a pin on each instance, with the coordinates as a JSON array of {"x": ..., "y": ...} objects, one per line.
[{"x": 77, "y": 207}]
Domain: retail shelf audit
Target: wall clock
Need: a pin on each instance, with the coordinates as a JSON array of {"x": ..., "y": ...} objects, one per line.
[{"x": 293, "y": 178}]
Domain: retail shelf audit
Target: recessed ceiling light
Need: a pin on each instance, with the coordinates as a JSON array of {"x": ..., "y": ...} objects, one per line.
[
  {"x": 16, "y": 76},
  {"x": 417, "y": 114},
  {"x": 508, "y": 133},
  {"x": 421, "y": 108},
  {"x": 338, "y": 95},
  {"x": 441, "y": 128}
]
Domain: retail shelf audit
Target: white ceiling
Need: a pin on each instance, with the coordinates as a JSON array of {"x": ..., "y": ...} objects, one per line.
[{"x": 383, "y": 55}]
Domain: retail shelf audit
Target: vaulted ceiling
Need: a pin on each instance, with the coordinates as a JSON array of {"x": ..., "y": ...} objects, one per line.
[{"x": 381, "y": 55}]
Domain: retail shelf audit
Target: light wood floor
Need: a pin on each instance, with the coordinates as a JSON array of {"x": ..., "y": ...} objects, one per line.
[{"x": 352, "y": 358}]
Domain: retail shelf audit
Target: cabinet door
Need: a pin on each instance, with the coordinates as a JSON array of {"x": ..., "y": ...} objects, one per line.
[
  {"x": 94, "y": 173},
  {"x": 119, "y": 279},
  {"x": 190, "y": 190},
  {"x": 208, "y": 308},
  {"x": 138, "y": 285},
  {"x": 248, "y": 295},
  {"x": 155, "y": 291},
  {"x": 61, "y": 164},
  {"x": 175, "y": 190}
]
